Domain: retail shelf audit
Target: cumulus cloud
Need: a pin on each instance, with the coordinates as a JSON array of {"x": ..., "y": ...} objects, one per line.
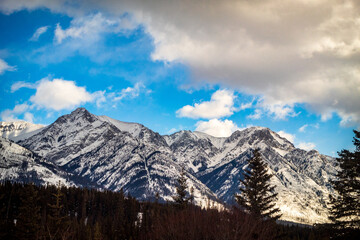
[
  {"x": 254, "y": 46},
  {"x": 299, "y": 144},
  {"x": 306, "y": 146},
  {"x": 58, "y": 94},
  {"x": 290, "y": 137},
  {"x": 5, "y": 67},
  {"x": 217, "y": 128},
  {"x": 40, "y": 31},
  {"x": 220, "y": 105}
]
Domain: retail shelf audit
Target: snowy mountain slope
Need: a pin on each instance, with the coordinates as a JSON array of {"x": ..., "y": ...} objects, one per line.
[
  {"x": 22, "y": 165},
  {"x": 113, "y": 154},
  {"x": 301, "y": 177},
  {"x": 192, "y": 149},
  {"x": 19, "y": 130}
]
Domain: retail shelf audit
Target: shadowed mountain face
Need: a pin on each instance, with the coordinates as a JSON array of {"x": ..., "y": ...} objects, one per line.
[{"x": 117, "y": 155}]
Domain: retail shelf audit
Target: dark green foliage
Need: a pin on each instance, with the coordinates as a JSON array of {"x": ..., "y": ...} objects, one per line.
[
  {"x": 345, "y": 206},
  {"x": 58, "y": 225},
  {"x": 28, "y": 220},
  {"x": 88, "y": 214},
  {"x": 257, "y": 195},
  {"x": 182, "y": 197},
  {"x": 50, "y": 212}
]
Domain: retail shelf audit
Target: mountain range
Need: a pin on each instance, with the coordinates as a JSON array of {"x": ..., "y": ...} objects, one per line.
[{"x": 83, "y": 149}]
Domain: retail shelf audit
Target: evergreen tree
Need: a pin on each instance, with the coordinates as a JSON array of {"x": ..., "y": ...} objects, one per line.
[
  {"x": 58, "y": 225},
  {"x": 345, "y": 207},
  {"x": 29, "y": 219},
  {"x": 181, "y": 198},
  {"x": 257, "y": 195}
]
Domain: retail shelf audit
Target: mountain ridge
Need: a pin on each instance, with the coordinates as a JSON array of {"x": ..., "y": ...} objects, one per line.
[{"x": 129, "y": 156}]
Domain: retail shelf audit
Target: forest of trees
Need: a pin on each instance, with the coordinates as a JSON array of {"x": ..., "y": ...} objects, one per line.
[
  {"x": 29, "y": 211},
  {"x": 51, "y": 212}
]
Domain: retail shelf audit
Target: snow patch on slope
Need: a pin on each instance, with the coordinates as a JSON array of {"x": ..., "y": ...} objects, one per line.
[
  {"x": 20, "y": 164},
  {"x": 132, "y": 128},
  {"x": 19, "y": 130}
]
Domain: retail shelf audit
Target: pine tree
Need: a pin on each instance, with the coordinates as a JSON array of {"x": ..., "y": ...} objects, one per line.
[
  {"x": 257, "y": 195},
  {"x": 181, "y": 198},
  {"x": 97, "y": 232},
  {"x": 345, "y": 207},
  {"x": 29, "y": 219},
  {"x": 58, "y": 225}
]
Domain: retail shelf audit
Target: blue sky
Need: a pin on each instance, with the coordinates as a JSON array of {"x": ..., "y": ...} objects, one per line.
[{"x": 186, "y": 67}]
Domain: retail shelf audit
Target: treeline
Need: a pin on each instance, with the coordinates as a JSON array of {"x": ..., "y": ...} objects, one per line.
[{"x": 55, "y": 212}]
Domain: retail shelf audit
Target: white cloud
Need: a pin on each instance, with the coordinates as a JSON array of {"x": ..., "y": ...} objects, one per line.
[
  {"x": 290, "y": 137},
  {"x": 217, "y": 128},
  {"x": 5, "y": 67},
  {"x": 279, "y": 111},
  {"x": 99, "y": 97},
  {"x": 16, "y": 86},
  {"x": 38, "y": 33},
  {"x": 10, "y": 115},
  {"x": 29, "y": 117},
  {"x": 306, "y": 126},
  {"x": 58, "y": 94},
  {"x": 171, "y": 131},
  {"x": 253, "y": 46},
  {"x": 303, "y": 128},
  {"x": 220, "y": 105},
  {"x": 244, "y": 106},
  {"x": 130, "y": 92},
  {"x": 256, "y": 115},
  {"x": 87, "y": 36},
  {"x": 306, "y": 146},
  {"x": 89, "y": 28}
]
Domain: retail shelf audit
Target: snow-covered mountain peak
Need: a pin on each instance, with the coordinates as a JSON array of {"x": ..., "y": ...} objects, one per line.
[
  {"x": 260, "y": 137},
  {"x": 120, "y": 155},
  {"x": 132, "y": 128},
  {"x": 78, "y": 115},
  {"x": 19, "y": 130}
]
